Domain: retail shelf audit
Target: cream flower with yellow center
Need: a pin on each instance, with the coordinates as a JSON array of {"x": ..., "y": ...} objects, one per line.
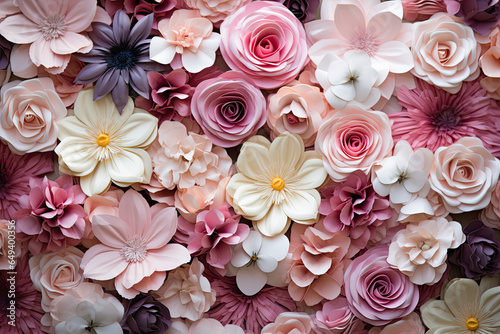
[
  {"x": 101, "y": 146},
  {"x": 276, "y": 183}
]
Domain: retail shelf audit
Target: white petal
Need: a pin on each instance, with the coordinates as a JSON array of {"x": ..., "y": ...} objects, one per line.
[
  {"x": 267, "y": 263},
  {"x": 250, "y": 280},
  {"x": 389, "y": 173},
  {"x": 129, "y": 166},
  {"x": 276, "y": 246},
  {"x": 415, "y": 181},
  {"x": 275, "y": 222},
  {"x": 399, "y": 194},
  {"x": 139, "y": 130},
  {"x": 346, "y": 91},
  {"x": 302, "y": 204},
  {"x": 252, "y": 243},
  {"x": 96, "y": 182},
  {"x": 416, "y": 206},
  {"x": 240, "y": 257},
  {"x": 78, "y": 155},
  {"x": 161, "y": 51}
]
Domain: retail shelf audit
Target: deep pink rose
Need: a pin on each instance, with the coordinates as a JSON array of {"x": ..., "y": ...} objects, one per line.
[
  {"x": 377, "y": 293},
  {"x": 229, "y": 108},
  {"x": 265, "y": 41}
]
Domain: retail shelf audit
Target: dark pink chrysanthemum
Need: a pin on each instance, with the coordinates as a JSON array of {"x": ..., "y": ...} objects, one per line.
[
  {"x": 432, "y": 117},
  {"x": 15, "y": 173},
  {"x": 28, "y": 302},
  {"x": 233, "y": 307}
]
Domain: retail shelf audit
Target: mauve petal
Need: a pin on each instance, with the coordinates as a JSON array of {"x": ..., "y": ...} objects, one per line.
[
  {"x": 121, "y": 27},
  {"x": 91, "y": 73},
  {"x": 120, "y": 94},
  {"x": 141, "y": 29},
  {"x": 102, "y": 35},
  {"x": 106, "y": 82},
  {"x": 139, "y": 81}
]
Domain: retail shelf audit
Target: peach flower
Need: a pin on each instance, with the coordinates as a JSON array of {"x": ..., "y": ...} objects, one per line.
[
  {"x": 186, "y": 292},
  {"x": 299, "y": 109},
  {"x": 30, "y": 111},
  {"x": 10, "y": 248},
  {"x": 411, "y": 324},
  {"x": 354, "y": 138},
  {"x": 464, "y": 175},
  {"x": 290, "y": 322},
  {"x": 204, "y": 325},
  {"x": 420, "y": 251},
  {"x": 54, "y": 273},
  {"x": 445, "y": 52},
  {"x": 490, "y": 216},
  {"x": 216, "y": 11},
  {"x": 490, "y": 60}
]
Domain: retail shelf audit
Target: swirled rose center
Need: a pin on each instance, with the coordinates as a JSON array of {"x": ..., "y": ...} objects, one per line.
[
  {"x": 134, "y": 250},
  {"x": 52, "y": 26},
  {"x": 465, "y": 171},
  {"x": 443, "y": 53}
]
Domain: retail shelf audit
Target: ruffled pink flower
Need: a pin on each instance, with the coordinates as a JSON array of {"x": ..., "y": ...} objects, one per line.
[
  {"x": 161, "y": 9},
  {"x": 53, "y": 217},
  {"x": 131, "y": 250},
  {"x": 186, "y": 292},
  {"x": 432, "y": 117},
  {"x": 271, "y": 43},
  {"x": 55, "y": 29},
  {"x": 318, "y": 267},
  {"x": 377, "y": 293},
  {"x": 15, "y": 173},
  {"x": 215, "y": 231},
  {"x": 354, "y": 208},
  {"x": 336, "y": 317},
  {"x": 421, "y": 10},
  {"x": 290, "y": 322},
  {"x": 411, "y": 324}
]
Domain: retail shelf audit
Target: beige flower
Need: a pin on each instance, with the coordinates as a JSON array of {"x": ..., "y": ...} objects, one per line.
[
  {"x": 216, "y": 11},
  {"x": 10, "y": 248}
]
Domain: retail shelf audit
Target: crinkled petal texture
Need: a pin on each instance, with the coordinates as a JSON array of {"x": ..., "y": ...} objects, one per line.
[
  {"x": 102, "y": 146},
  {"x": 265, "y": 41},
  {"x": 464, "y": 175},
  {"x": 274, "y": 180},
  {"x": 131, "y": 249},
  {"x": 353, "y": 139}
]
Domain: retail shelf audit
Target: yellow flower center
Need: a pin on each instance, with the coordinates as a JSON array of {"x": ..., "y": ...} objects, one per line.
[
  {"x": 472, "y": 324},
  {"x": 103, "y": 140},
  {"x": 278, "y": 183},
  {"x": 254, "y": 257}
]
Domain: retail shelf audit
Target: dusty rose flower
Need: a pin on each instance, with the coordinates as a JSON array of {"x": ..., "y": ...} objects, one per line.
[
  {"x": 482, "y": 16},
  {"x": 5, "y": 49},
  {"x": 377, "y": 293},
  {"x": 186, "y": 292},
  {"x": 146, "y": 315},
  {"x": 421, "y": 10},
  {"x": 161, "y": 9},
  {"x": 229, "y": 108},
  {"x": 445, "y": 52},
  {"x": 290, "y": 322},
  {"x": 53, "y": 217},
  {"x": 420, "y": 251},
  {"x": 318, "y": 267},
  {"x": 205, "y": 326},
  {"x": 411, "y": 324},
  {"x": 354, "y": 208},
  {"x": 304, "y": 10},
  {"x": 29, "y": 115},
  {"x": 54, "y": 273},
  {"x": 464, "y": 175},
  {"x": 490, "y": 215},
  {"x": 266, "y": 42},
  {"x": 216, "y": 11},
  {"x": 353, "y": 139},
  {"x": 10, "y": 248},
  {"x": 335, "y": 317},
  {"x": 299, "y": 109}
]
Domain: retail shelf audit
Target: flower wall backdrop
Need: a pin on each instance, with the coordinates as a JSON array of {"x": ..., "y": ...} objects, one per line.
[{"x": 250, "y": 167}]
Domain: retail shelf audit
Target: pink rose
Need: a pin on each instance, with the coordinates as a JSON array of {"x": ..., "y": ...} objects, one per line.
[
  {"x": 265, "y": 41},
  {"x": 464, "y": 175},
  {"x": 353, "y": 139},
  {"x": 216, "y": 11},
  {"x": 377, "y": 293},
  {"x": 336, "y": 318},
  {"x": 445, "y": 52},
  {"x": 411, "y": 324},
  {"x": 229, "y": 108},
  {"x": 29, "y": 115},
  {"x": 290, "y": 322}
]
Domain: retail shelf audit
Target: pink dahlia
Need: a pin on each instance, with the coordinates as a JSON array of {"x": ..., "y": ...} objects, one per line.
[
  {"x": 28, "y": 307},
  {"x": 15, "y": 173},
  {"x": 53, "y": 217},
  {"x": 249, "y": 312},
  {"x": 354, "y": 208},
  {"x": 432, "y": 117}
]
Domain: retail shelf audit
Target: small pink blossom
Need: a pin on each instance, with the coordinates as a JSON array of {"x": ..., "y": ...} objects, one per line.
[{"x": 335, "y": 317}]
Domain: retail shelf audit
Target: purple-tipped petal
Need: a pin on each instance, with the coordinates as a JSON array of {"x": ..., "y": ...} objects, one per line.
[
  {"x": 141, "y": 30},
  {"x": 106, "y": 83},
  {"x": 121, "y": 26},
  {"x": 120, "y": 95},
  {"x": 139, "y": 81}
]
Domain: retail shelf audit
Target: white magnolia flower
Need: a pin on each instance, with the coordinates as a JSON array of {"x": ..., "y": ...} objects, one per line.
[
  {"x": 257, "y": 257},
  {"x": 189, "y": 36},
  {"x": 99, "y": 145},
  {"x": 348, "y": 80},
  {"x": 276, "y": 183}
]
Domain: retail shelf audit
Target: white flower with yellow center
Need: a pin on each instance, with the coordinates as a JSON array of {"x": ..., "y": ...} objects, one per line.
[
  {"x": 101, "y": 146},
  {"x": 276, "y": 183}
]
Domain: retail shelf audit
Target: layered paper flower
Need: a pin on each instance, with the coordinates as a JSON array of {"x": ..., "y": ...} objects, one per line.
[
  {"x": 336, "y": 317},
  {"x": 466, "y": 308},
  {"x": 131, "y": 249},
  {"x": 420, "y": 250},
  {"x": 102, "y": 146},
  {"x": 290, "y": 322},
  {"x": 276, "y": 183},
  {"x": 144, "y": 314},
  {"x": 188, "y": 36},
  {"x": 216, "y": 11}
]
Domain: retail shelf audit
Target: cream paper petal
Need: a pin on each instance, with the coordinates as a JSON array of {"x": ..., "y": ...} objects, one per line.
[
  {"x": 96, "y": 182},
  {"x": 139, "y": 131},
  {"x": 254, "y": 162},
  {"x": 436, "y": 314},
  {"x": 302, "y": 204},
  {"x": 250, "y": 200},
  {"x": 311, "y": 174},
  {"x": 250, "y": 280},
  {"x": 286, "y": 152},
  {"x": 460, "y": 292},
  {"x": 129, "y": 166},
  {"x": 275, "y": 222},
  {"x": 161, "y": 51},
  {"x": 78, "y": 155}
]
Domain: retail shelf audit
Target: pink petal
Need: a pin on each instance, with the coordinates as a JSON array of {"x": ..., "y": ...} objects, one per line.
[
  {"x": 80, "y": 14},
  {"x": 41, "y": 54},
  {"x": 134, "y": 210},
  {"x": 111, "y": 230},
  {"x": 69, "y": 42},
  {"x": 316, "y": 264},
  {"x": 349, "y": 20},
  {"x": 136, "y": 271},
  {"x": 19, "y": 29},
  {"x": 169, "y": 257},
  {"x": 166, "y": 222},
  {"x": 102, "y": 263}
]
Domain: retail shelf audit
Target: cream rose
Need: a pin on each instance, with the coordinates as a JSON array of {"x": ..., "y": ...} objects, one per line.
[
  {"x": 464, "y": 175},
  {"x": 55, "y": 273},
  {"x": 30, "y": 110},
  {"x": 445, "y": 52}
]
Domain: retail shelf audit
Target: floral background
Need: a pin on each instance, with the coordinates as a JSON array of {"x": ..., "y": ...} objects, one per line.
[{"x": 238, "y": 167}]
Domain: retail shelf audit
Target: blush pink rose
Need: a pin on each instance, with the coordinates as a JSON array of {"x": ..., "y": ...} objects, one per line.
[
  {"x": 265, "y": 41},
  {"x": 377, "y": 293},
  {"x": 29, "y": 115},
  {"x": 290, "y": 322},
  {"x": 352, "y": 139},
  {"x": 336, "y": 317},
  {"x": 464, "y": 175},
  {"x": 411, "y": 324},
  {"x": 229, "y": 108},
  {"x": 216, "y": 11}
]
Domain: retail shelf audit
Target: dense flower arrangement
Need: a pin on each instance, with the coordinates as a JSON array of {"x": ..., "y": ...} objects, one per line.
[{"x": 246, "y": 167}]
